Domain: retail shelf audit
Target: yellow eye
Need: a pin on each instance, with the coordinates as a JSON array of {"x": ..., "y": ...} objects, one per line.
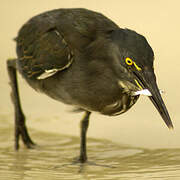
[{"x": 129, "y": 61}]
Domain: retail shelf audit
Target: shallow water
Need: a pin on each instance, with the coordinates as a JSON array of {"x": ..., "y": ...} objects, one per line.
[{"x": 55, "y": 154}]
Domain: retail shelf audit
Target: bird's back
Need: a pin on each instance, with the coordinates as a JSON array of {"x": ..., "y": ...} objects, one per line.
[{"x": 49, "y": 40}]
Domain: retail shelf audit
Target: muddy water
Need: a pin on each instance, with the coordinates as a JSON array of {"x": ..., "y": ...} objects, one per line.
[{"x": 135, "y": 145}]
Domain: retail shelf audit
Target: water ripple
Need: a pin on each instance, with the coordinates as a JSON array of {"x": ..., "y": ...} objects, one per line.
[{"x": 53, "y": 159}]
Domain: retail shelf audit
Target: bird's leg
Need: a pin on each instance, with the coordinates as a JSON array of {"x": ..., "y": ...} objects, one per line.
[
  {"x": 20, "y": 126},
  {"x": 84, "y": 127}
]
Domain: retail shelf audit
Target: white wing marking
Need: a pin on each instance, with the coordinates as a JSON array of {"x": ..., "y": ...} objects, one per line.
[
  {"x": 47, "y": 73},
  {"x": 51, "y": 72}
]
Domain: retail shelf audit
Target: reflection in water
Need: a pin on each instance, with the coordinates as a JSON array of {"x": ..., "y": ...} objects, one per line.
[{"x": 53, "y": 159}]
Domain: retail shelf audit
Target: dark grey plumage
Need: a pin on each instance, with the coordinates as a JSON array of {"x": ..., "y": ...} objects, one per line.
[{"x": 82, "y": 58}]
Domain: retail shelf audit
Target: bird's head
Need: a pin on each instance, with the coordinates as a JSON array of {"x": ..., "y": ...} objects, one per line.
[{"x": 134, "y": 64}]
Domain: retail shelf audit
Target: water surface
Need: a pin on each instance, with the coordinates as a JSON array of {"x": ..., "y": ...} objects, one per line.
[{"x": 55, "y": 154}]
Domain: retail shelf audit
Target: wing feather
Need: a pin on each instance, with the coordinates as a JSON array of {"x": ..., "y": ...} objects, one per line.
[{"x": 47, "y": 43}]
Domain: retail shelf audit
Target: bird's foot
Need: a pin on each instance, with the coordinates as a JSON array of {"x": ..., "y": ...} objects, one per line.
[
  {"x": 21, "y": 131},
  {"x": 80, "y": 159}
]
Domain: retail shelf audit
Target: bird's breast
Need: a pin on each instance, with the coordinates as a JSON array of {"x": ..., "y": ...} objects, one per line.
[{"x": 120, "y": 106}]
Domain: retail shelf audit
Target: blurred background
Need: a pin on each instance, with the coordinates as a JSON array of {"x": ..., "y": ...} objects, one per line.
[{"x": 141, "y": 126}]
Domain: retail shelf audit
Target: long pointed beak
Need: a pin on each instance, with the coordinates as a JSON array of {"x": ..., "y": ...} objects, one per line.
[{"x": 148, "y": 80}]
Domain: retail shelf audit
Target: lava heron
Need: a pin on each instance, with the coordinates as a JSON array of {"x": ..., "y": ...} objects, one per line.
[{"x": 82, "y": 58}]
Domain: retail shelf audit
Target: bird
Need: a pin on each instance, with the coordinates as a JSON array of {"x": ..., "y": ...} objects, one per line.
[{"x": 83, "y": 59}]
